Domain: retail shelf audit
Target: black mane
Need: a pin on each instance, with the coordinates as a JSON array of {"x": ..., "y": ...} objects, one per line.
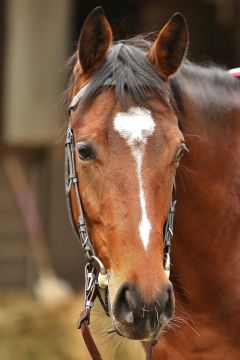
[
  {"x": 128, "y": 70},
  {"x": 210, "y": 89}
]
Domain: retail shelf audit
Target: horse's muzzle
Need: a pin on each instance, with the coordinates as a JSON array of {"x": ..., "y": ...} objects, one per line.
[{"x": 135, "y": 319}]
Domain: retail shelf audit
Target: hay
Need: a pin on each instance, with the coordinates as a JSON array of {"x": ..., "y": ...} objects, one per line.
[{"x": 33, "y": 331}]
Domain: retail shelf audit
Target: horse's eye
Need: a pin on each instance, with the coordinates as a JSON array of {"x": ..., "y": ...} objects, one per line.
[
  {"x": 181, "y": 152},
  {"x": 86, "y": 151}
]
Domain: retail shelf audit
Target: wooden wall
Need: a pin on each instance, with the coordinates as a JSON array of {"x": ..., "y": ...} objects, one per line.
[
  {"x": 13, "y": 246},
  {"x": 37, "y": 37},
  {"x": 44, "y": 169},
  {"x": 36, "y": 44}
]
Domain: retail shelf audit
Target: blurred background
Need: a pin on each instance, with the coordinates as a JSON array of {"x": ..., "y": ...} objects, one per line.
[{"x": 41, "y": 263}]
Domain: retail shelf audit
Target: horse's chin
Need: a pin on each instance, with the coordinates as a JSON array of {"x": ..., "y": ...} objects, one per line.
[{"x": 138, "y": 332}]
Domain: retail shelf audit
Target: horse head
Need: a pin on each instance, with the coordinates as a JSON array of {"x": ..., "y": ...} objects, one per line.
[{"x": 127, "y": 148}]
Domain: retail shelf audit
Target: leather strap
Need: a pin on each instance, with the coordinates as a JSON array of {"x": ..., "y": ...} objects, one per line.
[
  {"x": 149, "y": 352},
  {"x": 83, "y": 325},
  {"x": 148, "y": 349}
]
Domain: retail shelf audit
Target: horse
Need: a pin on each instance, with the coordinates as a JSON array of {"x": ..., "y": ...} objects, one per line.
[{"x": 142, "y": 119}]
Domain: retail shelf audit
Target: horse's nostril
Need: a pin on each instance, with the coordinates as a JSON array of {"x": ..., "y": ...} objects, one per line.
[
  {"x": 126, "y": 304},
  {"x": 129, "y": 308},
  {"x": 165, "y": 302},
  {"x": 131, "y": 299}
]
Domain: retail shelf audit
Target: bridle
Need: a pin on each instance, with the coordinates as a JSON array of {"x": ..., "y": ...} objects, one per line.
[{"x": 96, "y": 275}]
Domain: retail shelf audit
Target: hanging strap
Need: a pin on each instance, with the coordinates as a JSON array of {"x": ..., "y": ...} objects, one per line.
[
  {"x": 83, "y": 325},
  {"x": 149, "y": 352}
]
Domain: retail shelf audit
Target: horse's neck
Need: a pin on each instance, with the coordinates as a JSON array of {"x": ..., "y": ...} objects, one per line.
[{"x": 206, "y": 249}]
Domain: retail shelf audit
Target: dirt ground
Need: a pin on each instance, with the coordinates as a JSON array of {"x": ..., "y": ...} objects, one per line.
[{"x": 33, "y": 331}]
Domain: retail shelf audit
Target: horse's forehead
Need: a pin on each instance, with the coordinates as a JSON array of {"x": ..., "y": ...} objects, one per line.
[
  {"x": 135, "y": 125},
  {"x": 106, "y": 114}
]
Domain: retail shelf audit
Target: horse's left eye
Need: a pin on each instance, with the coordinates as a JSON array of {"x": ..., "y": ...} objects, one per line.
[
  {"x": 180, "y": 152},
  {"x": 86, "y": 151}
]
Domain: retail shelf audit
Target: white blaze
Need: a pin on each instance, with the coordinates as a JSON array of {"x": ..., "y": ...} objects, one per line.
[{"x": 135, "y": 127}]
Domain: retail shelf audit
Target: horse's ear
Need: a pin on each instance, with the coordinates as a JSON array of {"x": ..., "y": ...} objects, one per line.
[
  {"x": 168, "y": 50},
  {"x": 95, "y": 40}
]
